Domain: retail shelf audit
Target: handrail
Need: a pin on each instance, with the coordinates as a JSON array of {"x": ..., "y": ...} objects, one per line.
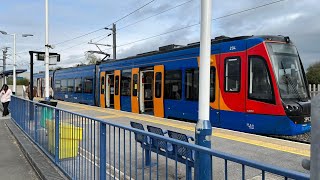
[{"x": 233, "y": 158}]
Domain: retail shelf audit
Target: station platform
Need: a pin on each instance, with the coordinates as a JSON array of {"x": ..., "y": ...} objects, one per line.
[
  {"x": 277, "y": 152},
  {"x": 13, "y": 164}
]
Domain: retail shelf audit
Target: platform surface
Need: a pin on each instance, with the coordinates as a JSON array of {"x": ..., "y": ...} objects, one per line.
[{"x": 13, "y": 164}]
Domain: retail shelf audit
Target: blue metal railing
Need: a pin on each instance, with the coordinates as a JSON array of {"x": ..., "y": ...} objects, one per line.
[{"x": 88, "y": 148}]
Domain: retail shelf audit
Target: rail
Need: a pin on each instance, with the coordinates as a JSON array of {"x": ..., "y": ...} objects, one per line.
[{"x": 89, "y": 148}]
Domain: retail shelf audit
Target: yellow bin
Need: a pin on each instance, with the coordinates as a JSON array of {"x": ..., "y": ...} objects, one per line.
[{"x": 69, "y": 138}]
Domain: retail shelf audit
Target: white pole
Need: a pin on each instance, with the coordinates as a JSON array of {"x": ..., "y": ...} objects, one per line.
[
  {"x": 203, "y": 163},
  {"x": 47, "y": 53},
  {"x": 14, "y": 65},
  {"x": 205, "y": 52}
]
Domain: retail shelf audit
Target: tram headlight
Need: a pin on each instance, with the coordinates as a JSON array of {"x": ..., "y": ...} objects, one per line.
[{"x": 289, "y": 108}]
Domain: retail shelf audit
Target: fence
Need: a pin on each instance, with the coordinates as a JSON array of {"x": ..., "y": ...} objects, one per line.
[
  {"x": 314, "y": 89},
  {"x": 88, "y": 148}
]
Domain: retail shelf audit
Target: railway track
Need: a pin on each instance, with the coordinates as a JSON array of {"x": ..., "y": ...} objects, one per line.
[{"x": 301, "y": 138}]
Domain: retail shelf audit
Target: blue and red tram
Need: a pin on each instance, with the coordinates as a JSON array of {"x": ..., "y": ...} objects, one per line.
[{"x": 258, "y": 84}]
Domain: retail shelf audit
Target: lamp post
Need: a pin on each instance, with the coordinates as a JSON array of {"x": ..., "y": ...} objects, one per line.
[
  {"x": 47, "y": 55},
  {"x": 14, "y": 57}
]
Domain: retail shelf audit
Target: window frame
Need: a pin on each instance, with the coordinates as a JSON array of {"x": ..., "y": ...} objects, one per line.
[
  {"x": 84, "y": 85},
  {"x": 55, "y": 85},
  {"x": 66, "y": 87},
  {"x": 213, "y": 98},
  {"x": 134, "y": 91},
  {"x": 165, "y": 84},
  {"x": 102, "y": 85},
  {"x": 273, "y": 101},
  {"x": 72, "y": 89},
  {"x": 117, "y": 85},
  {"x": 192, "y": 71},
  {"x": 128, "y": 73},
  {"x": 156, "y": 81},
  {"x": 225, "y": 75},
  {"x": 75, "y": 87}
]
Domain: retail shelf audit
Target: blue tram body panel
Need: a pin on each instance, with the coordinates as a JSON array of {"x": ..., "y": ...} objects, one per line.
[
  {"x": 81, "y": 72},
  {"x": 125, "y": 103}
]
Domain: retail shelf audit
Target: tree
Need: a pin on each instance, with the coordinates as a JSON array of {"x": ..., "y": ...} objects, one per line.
[
  {"x": 20, "y": 81},
  {"x": 91, "y": 58},
  {"x": 313, "y": 73}
]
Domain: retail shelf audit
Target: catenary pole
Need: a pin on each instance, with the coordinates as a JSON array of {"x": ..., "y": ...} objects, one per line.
[
  {"x": 47, "y": 52},
  {"x": 203, "y": 130},
  {"x": 4, "y": 64},
  {"x": 14, "y": 65},
  {"x": 114, "y": 37}
]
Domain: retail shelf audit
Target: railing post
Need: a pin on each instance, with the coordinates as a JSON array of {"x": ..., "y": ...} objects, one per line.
[
  {"x": 35, "y": 115},
  {"x": 31, "y": 114},
  {"x": 102, "y": 151},
  {"x": 148, "y": 158},
  {"x": 315, "y": 138},
  {"x": 57, "y": 133}
]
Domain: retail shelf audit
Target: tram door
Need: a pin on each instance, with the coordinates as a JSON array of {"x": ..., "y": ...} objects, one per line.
[
  {"x": 135, "y": 90},
  {"x": 146, "y": 91},
  {"x": 158, "y": 90},
  {"x": 102, "y": 89},
  {"x": 109, "y": 90}
]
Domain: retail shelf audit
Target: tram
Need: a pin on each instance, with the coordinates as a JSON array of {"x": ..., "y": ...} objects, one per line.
[{"x": 257, "y": 84}]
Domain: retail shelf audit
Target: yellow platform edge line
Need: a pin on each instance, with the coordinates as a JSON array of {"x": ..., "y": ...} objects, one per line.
[
  {"x": 108, "y": 117},
  {"x": 267, "y": 145}
]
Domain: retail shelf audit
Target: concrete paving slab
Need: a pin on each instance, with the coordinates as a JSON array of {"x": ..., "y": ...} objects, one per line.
[{"x": 13, "y": 164}]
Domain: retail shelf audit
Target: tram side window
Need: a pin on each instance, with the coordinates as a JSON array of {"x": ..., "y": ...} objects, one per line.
[
  {"x": 260, "y": 87},
  {"x": 116, "y": 86},
  {"x": 158, "y": 85},
  {"x": 173, "y": 84},
  {"x": 77, "y": 86},
  {"x": 57, "y": 85},
  {"x": 64, "y": 85},
  {"x": 102, "y": 82},
  {"x": 232, "y": 74},
  {"x": 212, "y": 84},
  {"x": 192, "y": 84},
  {"x": 135, "y": 85},
  {"x": 88, "y": 84},
  {"x": 70, "y": 85},
  {"x": 125, "y": 83}
]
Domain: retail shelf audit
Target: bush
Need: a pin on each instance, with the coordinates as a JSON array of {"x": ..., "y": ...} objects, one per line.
[{"x": 313, "y": 73}]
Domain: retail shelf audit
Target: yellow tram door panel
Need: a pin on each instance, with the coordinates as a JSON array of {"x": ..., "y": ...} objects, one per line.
[
  {"x": 135, "y": 90},
  {"x": 117, "y": 79},
  {"x": 102, "y": 89},
  {"x": 158, "y": 91}
]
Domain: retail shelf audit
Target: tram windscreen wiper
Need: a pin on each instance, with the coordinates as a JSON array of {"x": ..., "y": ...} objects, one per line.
[{"x": 288, "y": 79}]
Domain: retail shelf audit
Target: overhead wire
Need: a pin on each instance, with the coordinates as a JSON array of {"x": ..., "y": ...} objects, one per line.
[
  {"x": 136, "y": 22},
  {"x": 169, "y": 9},
  {"x": 195, "y": 24},
  {"x": 214, "y": 19},
  {"x": 80, "y": 43},
  {"x": 86, "y": 34}
]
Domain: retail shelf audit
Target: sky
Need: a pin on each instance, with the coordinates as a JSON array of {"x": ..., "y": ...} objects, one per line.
[{"x": 69, "y": 19}]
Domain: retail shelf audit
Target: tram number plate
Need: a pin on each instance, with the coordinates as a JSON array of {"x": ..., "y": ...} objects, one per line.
[{"x": 307, "y": 119}]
